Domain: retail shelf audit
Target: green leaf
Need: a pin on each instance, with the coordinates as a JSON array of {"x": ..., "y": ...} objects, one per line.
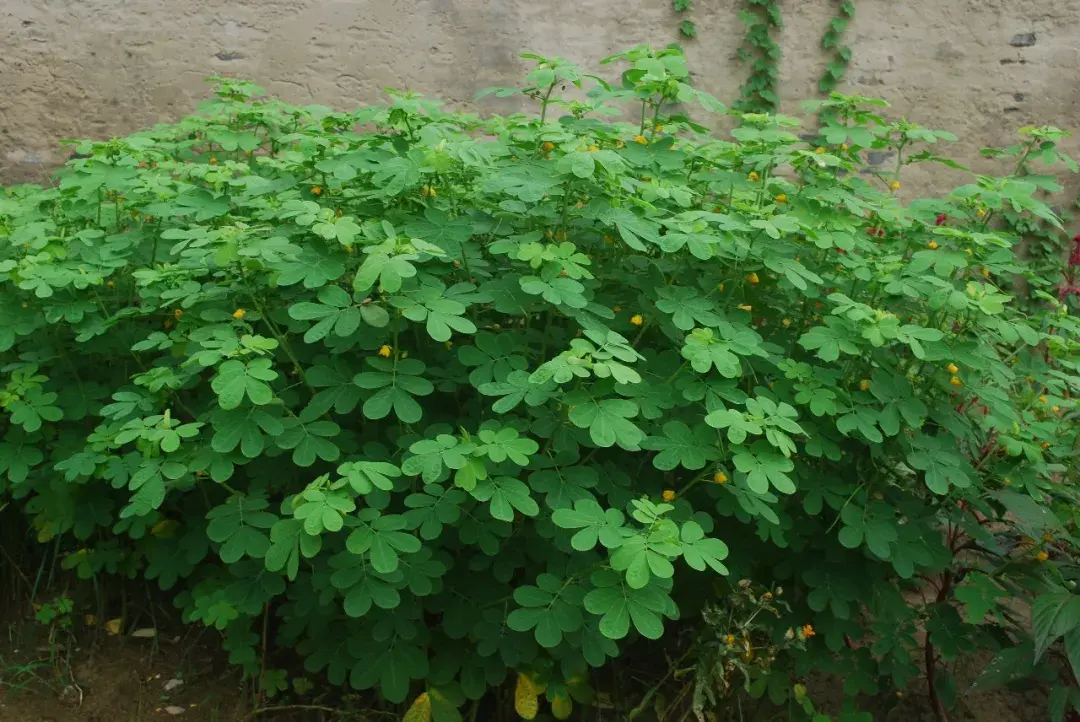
[
  {"x": 681, "y": 445},
  {"x": 1053, "y": 614},
  {"x": 551, "y": 609},
  {"x": 322, "y": 510},
  {"x": 979, "y": 594},
  {"x": 644, "y": 555},
  {"x": 366, "y": 476},
  {"x": 619, "y": 605},
  {"x": 506, "y": 443},
  {"x": 595, "y": 524},
  {"x": 608, "y": 421},
  {"x": 505, "y": 496},
  {"x": 764, "y": 467},
  {"x": 235, "y": 380},
  {"x": 238, "y": 526},
  {"x": 398, "y": 382},
  {"x": 700, "y": 552},
  {"x": 381, "y": 538}
]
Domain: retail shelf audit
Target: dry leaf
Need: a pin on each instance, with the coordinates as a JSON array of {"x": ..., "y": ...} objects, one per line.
[
  {"x": 527, "y": 697},
  {"x": 146, "y": 633},
  {"x": 173, "y": 684},
  {"x": 561, "y": 707},
  {"x": 113, "y": 626},
  {"x": 420, "y": 710},
  {"x": 174, "y": 710}
]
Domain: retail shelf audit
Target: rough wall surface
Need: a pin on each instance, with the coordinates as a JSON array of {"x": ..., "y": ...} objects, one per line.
[{"x": 72, "y": 68}]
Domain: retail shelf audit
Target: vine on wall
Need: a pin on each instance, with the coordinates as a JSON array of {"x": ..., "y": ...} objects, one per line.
[
  {"x": 761, "y": 17},
  {"x": 831, "y": 41},
  {"x": 758, "y": 93},
  {"x": 686, "y": 27}
]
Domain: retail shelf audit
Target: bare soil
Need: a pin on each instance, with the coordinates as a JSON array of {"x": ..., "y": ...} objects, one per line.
[{"x": 113, "y": 679}]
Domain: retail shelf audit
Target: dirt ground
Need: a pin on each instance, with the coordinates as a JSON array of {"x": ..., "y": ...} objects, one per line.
[
  {"x": 114, "y": 679},
  {"x": 132, "y": 680}
]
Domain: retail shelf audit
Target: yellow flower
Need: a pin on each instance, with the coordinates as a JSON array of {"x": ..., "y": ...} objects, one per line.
[
  {"x": 548, "y": 145},
  {"x": 864, "y": 384},
  {"x": 637, "y": 319},
  {"x": 895, "y": 185},
  {"x": 819, "y": 150},
  {"x": 720, "y": 477},
  {"x": 659, "y": 128},
  {"x": 720, "y": 287},
  {"x": 1047, "y": 538},
  {"x": 955, "y": 381},
  {"x": 782, "y": 198},
  {"x": 843, "y": 146},
  {"x": 640, "y": 139},
  {"x": 1042, "y": 556},
  {"x": 1042, "y": 399},
  {"x": 754, "y": 177},
  {"x": 981, "y": 212},
  {"x": 985, "y": 272},
  {"x": 213, "y": 160},
  {"x": 752, "y": 278},
  {"x": 1055, "y": 408},
  {"x": 110, "y": 284},
  {"x": 239, "y": 314},
  {"x": 178, "y": 313},
  {"x": 618, "y": 144},
  {"x": 952, "y": 368},
  {"x": 593, "y": 148},
  {"x": 729, "y": 639},
  {"x": 385, "y": 351},
  {"x": 316, "y": 190},
  {"x": 807, "y": 631},
  {"x": 618, "y": 308},
  {"x": 932, "y": 245},
  {"x": 786, "y": 322},
  {"x": 668, "y": 495},
  {"x": 1007, "y": 481},
  {"x": 745, "y": 307}
]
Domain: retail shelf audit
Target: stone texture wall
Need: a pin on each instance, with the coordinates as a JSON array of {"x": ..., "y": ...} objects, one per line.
[{"x": 81, "y": 68}]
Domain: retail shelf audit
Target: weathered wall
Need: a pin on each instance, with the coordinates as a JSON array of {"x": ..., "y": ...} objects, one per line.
[{"x": 96, "y": 68}]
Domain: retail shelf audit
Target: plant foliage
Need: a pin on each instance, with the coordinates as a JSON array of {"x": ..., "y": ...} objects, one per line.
[{"x": 466, "y": 402}]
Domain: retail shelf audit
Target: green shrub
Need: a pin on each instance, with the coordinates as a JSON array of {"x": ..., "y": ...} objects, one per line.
[{"x": 457, "y": 397}]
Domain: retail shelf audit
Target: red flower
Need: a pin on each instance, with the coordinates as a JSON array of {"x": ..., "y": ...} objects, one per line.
[
  {"x": 1074, "y": 256},
  {"x": 940, "y": 220}
]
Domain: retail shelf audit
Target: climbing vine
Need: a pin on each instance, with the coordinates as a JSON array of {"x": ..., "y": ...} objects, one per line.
[
  {"x": 686, "y": 27},
  {"x": 758, "y": 93},
  {"x": 761, "y": 17},
  {"x": 831, "y": 41}
]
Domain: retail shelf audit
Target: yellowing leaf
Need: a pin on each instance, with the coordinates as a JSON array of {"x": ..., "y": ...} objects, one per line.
[
  {"x": 113, "y": 626},
  {"x": 527, "y": 697},
  {"x": 420, "y": 710},
  {"x": 561, "y": 707},
  {"x": 164, "y": 528}
]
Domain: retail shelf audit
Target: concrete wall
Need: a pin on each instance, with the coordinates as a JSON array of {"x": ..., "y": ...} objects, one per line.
[{"x": 97, "y": 68}]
